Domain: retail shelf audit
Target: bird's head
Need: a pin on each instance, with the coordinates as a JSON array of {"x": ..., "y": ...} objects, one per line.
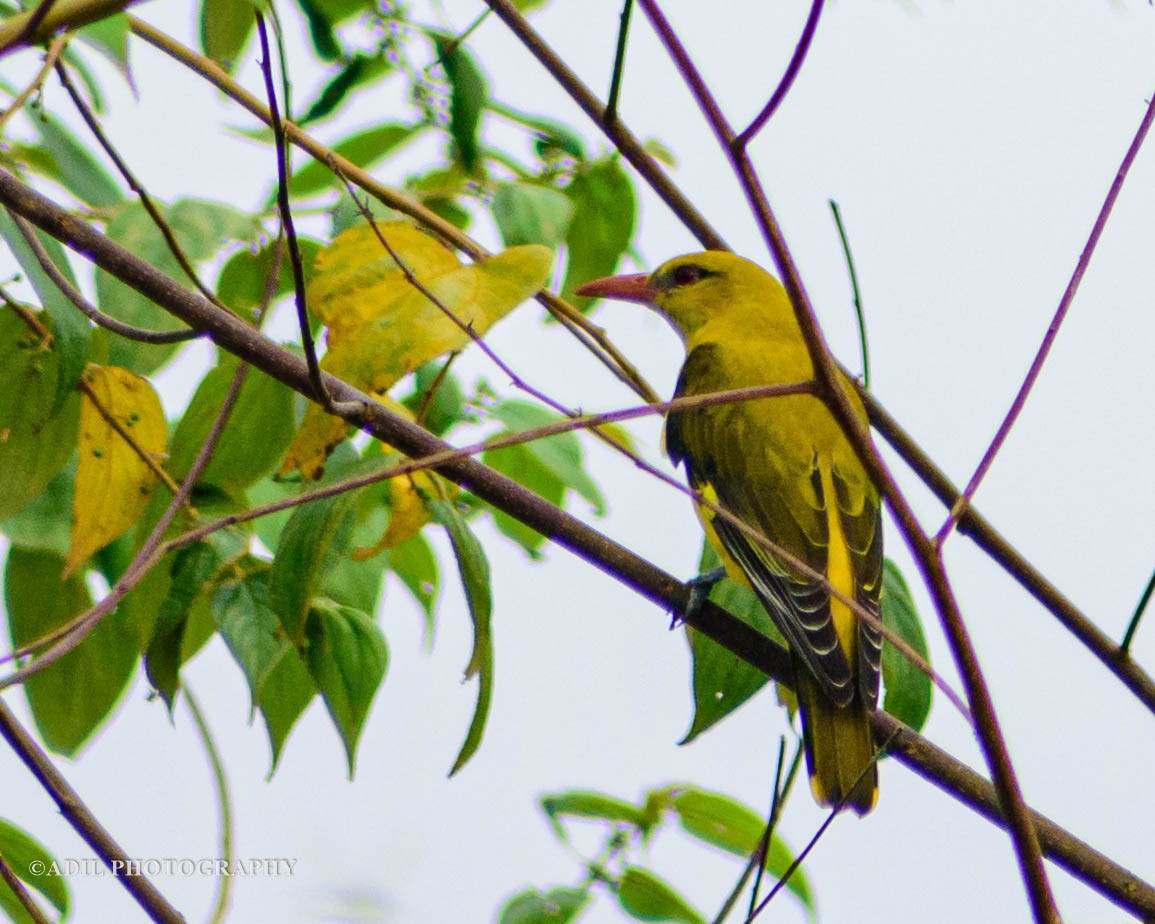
[{"x": 692, "y": 290}]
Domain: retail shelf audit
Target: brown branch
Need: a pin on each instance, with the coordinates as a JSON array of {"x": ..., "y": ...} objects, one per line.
[
  {"x": 792, "y": 71},
  {"x": 629, "y": 146},
  {"x": 1098, "y": 871},
  {"x": 77, "y": 814},
  {"x": 55, "y": 50},
  {"x": 1056, "y": 322},
  {"x": 65, "y": 14},
  {"x": 85, "y": 307},
  {"x": 27, "y": 902},
  {"x": 936, "y": 766},
  {"x": 987, "y": 538},
  {"x": 135, "y": 185},
  {"x": 28, "y": 30}
]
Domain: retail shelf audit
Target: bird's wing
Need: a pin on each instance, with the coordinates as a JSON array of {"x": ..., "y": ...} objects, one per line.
[
  {"x": 859, "y": 511},
  {"x": 760, "y": 468}
]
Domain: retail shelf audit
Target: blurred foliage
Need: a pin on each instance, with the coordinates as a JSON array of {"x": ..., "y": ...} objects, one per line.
[{"x": 628, "y": 832}]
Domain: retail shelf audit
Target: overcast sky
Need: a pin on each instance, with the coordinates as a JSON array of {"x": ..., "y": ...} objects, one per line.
[{"x": 970, "y": 146}]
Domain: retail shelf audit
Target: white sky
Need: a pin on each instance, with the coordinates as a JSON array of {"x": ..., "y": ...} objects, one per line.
[{"x": 969, "y": 146}]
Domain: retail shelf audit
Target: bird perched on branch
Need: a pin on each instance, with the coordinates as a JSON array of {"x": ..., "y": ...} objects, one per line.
[{"x": 783, "y": 466}]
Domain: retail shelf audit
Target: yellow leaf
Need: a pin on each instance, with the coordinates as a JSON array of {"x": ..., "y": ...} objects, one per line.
[
  {"x": 113, "y": 481},
  {"x": 320, "y": 433},
  {"x": 408, "y": 329},
  {"x": 381, "y": 327},
  {"x": 407, "y": 512}
]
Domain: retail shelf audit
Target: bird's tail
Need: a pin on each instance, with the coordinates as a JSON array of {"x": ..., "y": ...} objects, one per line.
[{"x": 839, "y": 747}]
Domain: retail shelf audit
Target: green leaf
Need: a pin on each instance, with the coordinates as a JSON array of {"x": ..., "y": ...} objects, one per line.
[
  {"x": 109, "y": 36},
  {"x": 202, "y": 228},
  {"x": 249, "y": 625},
  {"x": 315, "y": 536},
  {"x": 38, "y": 436},
  {"x": 557, "y": 906},
  {"x": 468, "y": 94},
  {"x": 581, "y": 803},
  {"x": 77, "y": 170},
  {"x": 726, "y": 823},
  {"x": 527, "y": 213},
  {"x": 721, "y": 680},
  {"x": 34, "y": 865},
  {"x": 415, "y": 564},
  {"x": 646, "y": 897},
  {"x": 285, "y": 695},
  {"x": 325, "y": 42},
  {"x": 225, "y": 29},
  {"x": 447, "y": 406},
  {"x": 243, "y": 283},
  {"x": 257, "y": 433},
  {"x": 908, "y": 689},
  {"x": 550, "y": 133},
  {"x": 337, "y": 11},
  {"x": 474, "y": 569},
  {"x": 46, "y": 523},
  {"x": 365, "y": 149},
  {"x": 560, "y": 453},
  {"x": 193, "y": 567},
  {"x": 605, "y": 210},
  {"x": 357, "y": 72},
  {"x": 347, "y": 658},
  {"x": 522, "y": 465},
  {"x": 72, "y": 697},
  {"x": 71, "y": 332}
]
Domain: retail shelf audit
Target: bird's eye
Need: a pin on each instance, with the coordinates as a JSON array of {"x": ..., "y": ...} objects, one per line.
[{"x": 687, "y": 275}]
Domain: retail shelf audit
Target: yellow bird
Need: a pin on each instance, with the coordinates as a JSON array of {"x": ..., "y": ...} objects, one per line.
[{"x": 783, "y": 466}]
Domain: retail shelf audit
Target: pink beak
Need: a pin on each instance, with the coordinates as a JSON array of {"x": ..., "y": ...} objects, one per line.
[{"x": 635, "y": 288}]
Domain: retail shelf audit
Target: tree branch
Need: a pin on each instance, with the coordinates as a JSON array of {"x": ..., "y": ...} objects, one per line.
[{"x": 77, "y": 814}]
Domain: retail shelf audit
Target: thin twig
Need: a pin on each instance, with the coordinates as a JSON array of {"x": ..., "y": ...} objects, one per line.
[
  {"x": 28, "y": 30},
  {"x": 77, "y": 814},
  {"x": 65, "y": 14},
  {"x": 300, "y": 299},
  {"x": 629, "y": 146},
  {"x": 224, "y": 806},
  {"x": 27, "y": 902},
  {"x": 434, "y": 387},
  {"x": 757, "y": 858},
  {"x": 135, "y": 185},
  {"x": 788, "y": 78},
  {"x": 1056, "y": 322},
  {"x": 987, "y": 538},
  {"x": 231, "y": 334},
  {"x": 1133, "y": 625},
  {"x": 813, "y": 842},
  {"x": 858, "y": 312},
  {"x": 611, "y": 114},
  {"x": 85, "y": 307},
  {"x": 55, "y": 50}
]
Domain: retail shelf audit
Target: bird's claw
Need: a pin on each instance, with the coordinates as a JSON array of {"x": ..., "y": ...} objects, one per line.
[{"x": 699, "y": 588}]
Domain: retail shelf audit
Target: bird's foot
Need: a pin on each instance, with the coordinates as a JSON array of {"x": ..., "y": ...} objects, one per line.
[{"x": 699, "y": 588}]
